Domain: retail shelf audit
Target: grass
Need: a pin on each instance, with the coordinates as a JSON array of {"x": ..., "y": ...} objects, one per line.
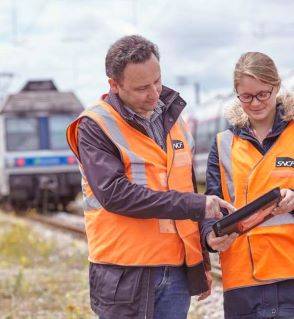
[
  {"x": 41, "y": 277},
  {"x": 201, "y": 188},
  {"x": 45, "y": 275}
]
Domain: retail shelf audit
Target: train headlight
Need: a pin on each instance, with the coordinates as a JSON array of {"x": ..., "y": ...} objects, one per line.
[
  {"x": 20, "y": 162},
  {"x": 71, "y": 160}
]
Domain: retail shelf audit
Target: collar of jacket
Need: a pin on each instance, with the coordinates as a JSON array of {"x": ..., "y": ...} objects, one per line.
[
  {"x": 174, "y": 105},
  {"x": 279, "y": 124},
  {"x": 240, "y": 123},
  {"x": 238, "y": 118}
]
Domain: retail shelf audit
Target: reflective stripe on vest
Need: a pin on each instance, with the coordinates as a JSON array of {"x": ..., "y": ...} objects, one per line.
[
  {"x": 266, "y": 253},
  {"x": 187, "y": 133},
  {"x": 283, "y": 219},
  {"x": 137, "y": 167},
  {"x": 224, "y": 151},
  {"x": 117, "y": 239},
  {"x": 189, "y": 139},
  {"x": 90, "y": 202}
]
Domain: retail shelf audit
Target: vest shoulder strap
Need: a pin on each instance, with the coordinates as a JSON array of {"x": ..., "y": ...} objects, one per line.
[{"x": 224, "y": 145}]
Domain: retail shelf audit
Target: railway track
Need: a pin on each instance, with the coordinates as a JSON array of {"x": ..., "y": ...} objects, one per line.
[{"x": 61, "y": 220}]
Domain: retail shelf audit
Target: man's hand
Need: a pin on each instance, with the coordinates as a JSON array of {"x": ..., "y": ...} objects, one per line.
[
  {"x": 220, "y": 243},
  {"x": 207, "y": 293},
  {"x": 213, "y": 206},
  {"x": 286, "y": 205}
]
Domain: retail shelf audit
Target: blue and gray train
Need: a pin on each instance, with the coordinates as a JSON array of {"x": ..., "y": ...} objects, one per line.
[{"x": 36, "y": 166}]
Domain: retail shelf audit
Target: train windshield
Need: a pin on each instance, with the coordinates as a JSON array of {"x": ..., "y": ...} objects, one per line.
[
  {"x": 57, "y": 129},
  {"x": 22, "y": 134},
  {"x": 206, "y": 131}
]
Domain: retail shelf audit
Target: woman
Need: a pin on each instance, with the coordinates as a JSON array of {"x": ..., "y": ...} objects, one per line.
[{"x": 255, "y": 155}]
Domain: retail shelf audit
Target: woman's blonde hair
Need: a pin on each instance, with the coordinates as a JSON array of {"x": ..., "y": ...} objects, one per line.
[{"x": 259, "y": 66}]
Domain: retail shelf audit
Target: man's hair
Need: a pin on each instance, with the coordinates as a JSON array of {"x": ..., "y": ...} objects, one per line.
[{"x": 129, "y": 49}]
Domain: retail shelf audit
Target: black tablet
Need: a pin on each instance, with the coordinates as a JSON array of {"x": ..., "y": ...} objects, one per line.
[{"x": 249, "y": 216}]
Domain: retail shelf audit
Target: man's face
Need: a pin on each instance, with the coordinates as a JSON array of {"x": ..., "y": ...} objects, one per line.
[{"x": 140, "y": 86}]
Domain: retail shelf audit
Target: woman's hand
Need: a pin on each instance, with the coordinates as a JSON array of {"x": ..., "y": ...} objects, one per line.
[
  {"x": 220, "y": 243},
  {"x": 286, "y": 205}
]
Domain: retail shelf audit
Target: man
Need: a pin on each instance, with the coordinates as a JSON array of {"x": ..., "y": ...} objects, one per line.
[{"x": 141, "y": 211}]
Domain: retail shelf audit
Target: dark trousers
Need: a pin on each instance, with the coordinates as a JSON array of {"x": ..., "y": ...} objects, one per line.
[{"x": 274, "y": 300}]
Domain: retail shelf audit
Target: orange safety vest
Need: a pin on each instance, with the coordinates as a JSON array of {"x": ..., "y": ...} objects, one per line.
[
  {"x": 121, "y": 240},
  {"x": 266, "y": 253}
]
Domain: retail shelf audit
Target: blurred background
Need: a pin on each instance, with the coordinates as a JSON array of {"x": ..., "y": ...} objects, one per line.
[
  {"x": 199, "y": 41},
  {"x": 52, "y": 66}
]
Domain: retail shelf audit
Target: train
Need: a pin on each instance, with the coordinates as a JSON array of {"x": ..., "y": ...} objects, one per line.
[
  {"x": 209, "y": 120},
  {"x": 37, "y": 168}
]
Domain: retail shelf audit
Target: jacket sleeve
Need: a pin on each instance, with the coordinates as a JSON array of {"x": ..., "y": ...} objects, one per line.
[
  {"x": 104, "y": 171},
  {"x": 213, "y": 187}
]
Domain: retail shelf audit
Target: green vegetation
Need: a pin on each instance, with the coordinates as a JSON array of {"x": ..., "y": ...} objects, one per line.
[
  {"x": 41, "y": 275},
  {"x": 18, "y": 245},
  {"x": 201, "y": 188},
  {"x": 45, "y": 275}
]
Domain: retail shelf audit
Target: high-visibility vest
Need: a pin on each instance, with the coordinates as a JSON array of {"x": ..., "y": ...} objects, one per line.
[
  {"x": 121, "y": 240},
  {"x": 266, "y": 253}
]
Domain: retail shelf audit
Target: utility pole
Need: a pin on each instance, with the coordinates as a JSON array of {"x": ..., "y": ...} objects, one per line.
[{"x": 197, "y": 92}]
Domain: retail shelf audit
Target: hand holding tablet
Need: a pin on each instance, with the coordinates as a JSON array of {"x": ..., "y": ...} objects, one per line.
[{"x": 249, "y": 216}]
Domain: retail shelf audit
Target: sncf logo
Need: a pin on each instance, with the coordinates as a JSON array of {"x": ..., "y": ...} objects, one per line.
[
  {"x": 178, "y": 145},
  {"x": 284, "y": 162}
]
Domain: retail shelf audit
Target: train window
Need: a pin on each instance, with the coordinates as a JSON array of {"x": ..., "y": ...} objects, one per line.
[
  {"x": 57, "y": 129},
  {"x": 206, "y": 132},
  {"x": 22, "y": 134},
  {"x": 202, "y": 138}
]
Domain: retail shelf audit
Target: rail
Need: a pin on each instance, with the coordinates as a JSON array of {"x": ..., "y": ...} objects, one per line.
[{"x": 70, "y": 223}]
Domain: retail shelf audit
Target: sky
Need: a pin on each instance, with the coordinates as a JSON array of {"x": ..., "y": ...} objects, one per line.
[{"x": 199, "y": 40}]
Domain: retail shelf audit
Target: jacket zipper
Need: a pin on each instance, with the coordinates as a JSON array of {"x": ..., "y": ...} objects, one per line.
[
  {"x": 172, "y": 161},
  {"x": 147, "y": 296}
]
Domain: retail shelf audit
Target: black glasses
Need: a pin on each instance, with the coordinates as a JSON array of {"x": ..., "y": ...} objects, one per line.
[{"x": 260, "y": 96}]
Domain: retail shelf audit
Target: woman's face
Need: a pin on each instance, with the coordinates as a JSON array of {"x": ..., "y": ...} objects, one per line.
[{"x": 263, "y": 96}]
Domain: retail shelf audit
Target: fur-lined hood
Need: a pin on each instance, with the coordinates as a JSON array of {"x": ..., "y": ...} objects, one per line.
[{"x": 237, "y": 117}]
